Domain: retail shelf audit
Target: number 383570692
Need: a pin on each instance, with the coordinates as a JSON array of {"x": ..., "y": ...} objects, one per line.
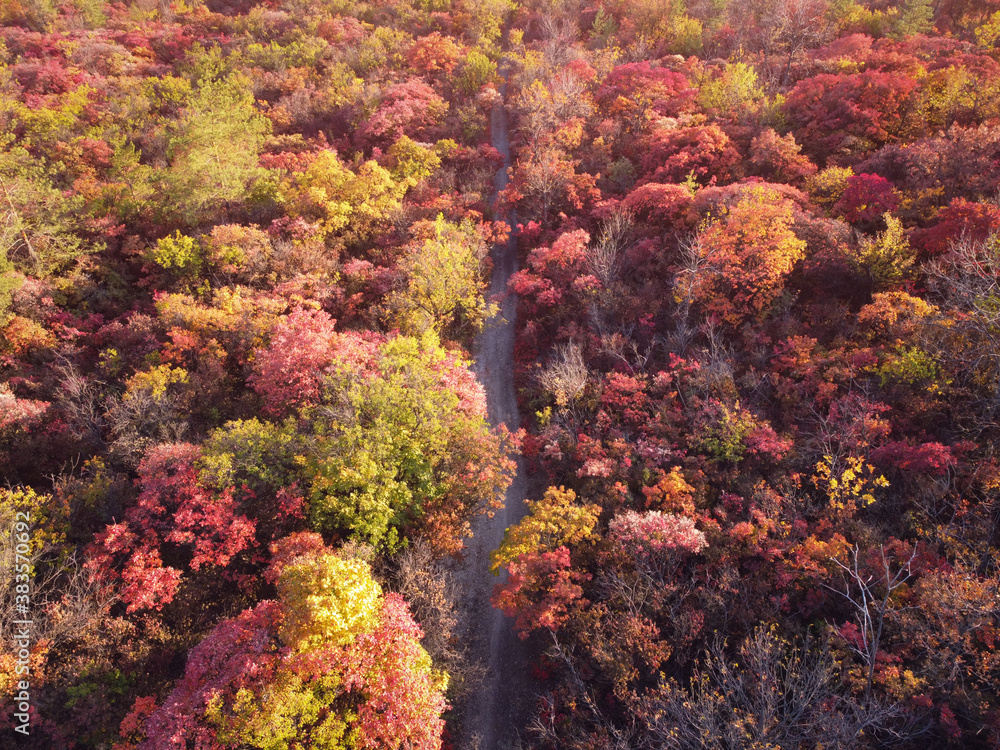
[{"x": 22, "y": 552}]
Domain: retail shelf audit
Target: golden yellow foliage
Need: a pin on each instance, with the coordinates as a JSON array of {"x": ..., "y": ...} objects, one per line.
[
  {"x": 329, "y": 600},
  {"x": 851, "y": 486},
  {"x": 553, "y": 521}
]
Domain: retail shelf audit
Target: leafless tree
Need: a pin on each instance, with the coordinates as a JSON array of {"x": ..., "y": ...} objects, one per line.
[
  {"x": 604, "y": 257},
  {"x": 142, "y": 418},
  {"x": 717, "y": 372},
  {"x": 695, "y": 264},
  {"x": 430, "y": 590},
  {"x": 622, "y": 346},
  {"x": 545, "y": 176},
  {"x": 559, "y": 35},
  {"x": 775, "y": 27},
  {"x": 565, "y": 377},
  {"x": 965, "y": 335},
  {"x": 871, "y": 597},
  {"x": 774, "y": 693},
  {"x": 618, "y": 738},
  {"x": 80, "y": 399},
  {"x": 66, "y": 600},
  {"x": 801, "y": 24},
  {"x": 568, "y": 96},
  {"x": 78, "y": 606}
]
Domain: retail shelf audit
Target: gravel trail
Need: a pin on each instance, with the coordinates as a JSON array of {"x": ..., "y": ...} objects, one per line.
[{"x": 496, "y": 711}]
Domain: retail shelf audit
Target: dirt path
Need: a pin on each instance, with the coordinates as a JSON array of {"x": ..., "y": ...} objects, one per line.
[{"x": 495, "y": 713}]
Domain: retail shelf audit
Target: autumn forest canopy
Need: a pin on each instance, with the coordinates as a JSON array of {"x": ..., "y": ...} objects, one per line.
[{"x": 245, "y": 259}]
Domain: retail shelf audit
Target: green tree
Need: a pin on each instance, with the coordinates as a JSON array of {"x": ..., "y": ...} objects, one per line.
[
  {"x": 885, "y": 259},
  {"x": 177, "y": 254},
  {"x": 214, "y": 149},
  {"x": 9, "y": 283},
  {"x": 485, "y": 19},
  {"x": 912, "y": 17},
  {"x": 412, "y": 162},
  {"x": 252, "y": 453},
  {"x": 477, "y": 70},
  {"x": 735, "y": 90},
  {"x": 405, "y": 448},
  {"x": 445, "y": 288},
  {"x": 38, "y": 221}
]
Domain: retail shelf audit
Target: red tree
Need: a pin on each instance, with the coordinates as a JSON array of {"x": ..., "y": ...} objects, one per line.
[
  {"x": 844, "y": 117},
  {"x": 866, "y": 198},
  {"x": 175, "y": 517},
  {"x": 703, "y": 151},
  {"x": 634, "y": 91}
]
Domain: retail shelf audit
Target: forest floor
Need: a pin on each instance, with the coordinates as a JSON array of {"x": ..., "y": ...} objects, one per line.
[{"x": 496, "y": 709}]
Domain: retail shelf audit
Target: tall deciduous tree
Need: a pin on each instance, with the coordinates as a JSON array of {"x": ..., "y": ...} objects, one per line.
[{"x": 405, "y": 447}]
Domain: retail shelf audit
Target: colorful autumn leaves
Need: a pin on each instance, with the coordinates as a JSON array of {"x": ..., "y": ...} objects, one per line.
[
  {"x": 734, "y": 268},
  {"x": 377, "y": 439},
  {"x": 738, "y": 264},
  {"x": 542, "y": 584},
  {"x": 380, "y": 438},
  {"x": 332, "y": 663}
]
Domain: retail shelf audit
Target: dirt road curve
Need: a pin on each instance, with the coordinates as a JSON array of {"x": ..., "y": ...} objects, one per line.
[{"x": 496, "y": 712}]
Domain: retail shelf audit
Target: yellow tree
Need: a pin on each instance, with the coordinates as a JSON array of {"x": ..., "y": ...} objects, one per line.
[
  {"x": 339, "y": 200},
  {"x": 554, "y": 521},
  {"x": 332, "y": 663},
  {"x": 331, "y": 599}
]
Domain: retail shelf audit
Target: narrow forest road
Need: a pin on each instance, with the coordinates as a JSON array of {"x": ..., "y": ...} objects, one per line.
[{"x": 497, "y": 709}]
